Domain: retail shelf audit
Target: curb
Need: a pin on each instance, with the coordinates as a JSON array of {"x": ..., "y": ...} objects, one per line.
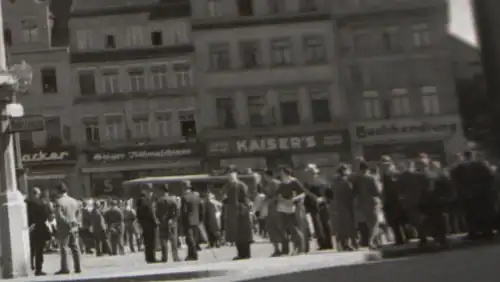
[
  {"x": 146, "y": 277},
  {"x": 393, "y": 252}
]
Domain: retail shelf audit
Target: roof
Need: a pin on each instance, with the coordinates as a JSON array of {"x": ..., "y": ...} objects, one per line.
[
  {"x": 89, "y": 8},
  {"x": 204, "y": 178}
]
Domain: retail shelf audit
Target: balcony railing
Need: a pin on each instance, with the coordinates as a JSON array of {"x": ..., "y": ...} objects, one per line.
[
  {"x": 125, "y": 96},
  {"x": 375, "y": 7}
]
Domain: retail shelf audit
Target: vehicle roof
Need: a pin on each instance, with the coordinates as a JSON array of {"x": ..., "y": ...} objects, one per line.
[{"x": 178, "y": 178}]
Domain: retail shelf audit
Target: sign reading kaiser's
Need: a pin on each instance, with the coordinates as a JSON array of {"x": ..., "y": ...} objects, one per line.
[{"x": 278, "y": 143}]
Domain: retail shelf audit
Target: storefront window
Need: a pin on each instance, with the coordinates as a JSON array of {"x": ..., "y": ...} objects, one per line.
[{"x": 107, "y": 184}]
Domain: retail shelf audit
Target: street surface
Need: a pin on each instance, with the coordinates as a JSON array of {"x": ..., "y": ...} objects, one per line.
[
  {"x": 91, "y": 263},
  {"x": 217, "y": 266}
]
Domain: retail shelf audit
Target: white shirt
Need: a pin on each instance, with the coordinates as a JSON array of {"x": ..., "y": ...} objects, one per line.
[{"x": 261, "y": 205}]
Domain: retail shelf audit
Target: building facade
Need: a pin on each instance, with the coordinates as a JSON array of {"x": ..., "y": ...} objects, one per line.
[
  {"x": 268, "y": 87},
  {"x": 398, "y": 77},
  {"x": 134, "y": 103},
  {"x": 36, "y": 33}
]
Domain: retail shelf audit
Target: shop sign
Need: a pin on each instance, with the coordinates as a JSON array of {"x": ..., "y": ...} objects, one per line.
[
  {"x": 272, "y": 144},
  {"x": 399, "y": 129},
  {"x": 49, "y": 156},
  {"x": 141, "y": 154}
]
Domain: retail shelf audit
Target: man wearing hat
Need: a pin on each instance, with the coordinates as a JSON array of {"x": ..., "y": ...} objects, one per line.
[
  {"x": 148, "y": 221},
  {"x": 191, "y": 215},
  {"x": 116, "y": 227},
  {"x": 238, "y": 225},
  {"x": 38, "y": 214},
  {"x": 318, "y": 210},
  {"x": 168, "y": 212}
]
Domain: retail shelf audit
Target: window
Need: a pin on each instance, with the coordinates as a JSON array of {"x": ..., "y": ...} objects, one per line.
[
  {"x": 421, "y": 35},
  {"x": 245, "y": 7},
  {"x": 159, "y": 77},
  {"x": 360, "y": 41},
  {"x": 430, "y": 100},
  {"x": 49, "y": 80},
  {"x": 91, "y": 125},
  {"x": 225, "y": 112},
  {"x": 182, "y": 73},
  {"x": 308, "y": 5},
  {"x": 277, "y": 6},
  {"x": 281, "y": 52},
  {"x": 178, "y": 33},
  {"x": 26, "y": 140},
  {"x": 250, "y": 54},
  {"x": 7, "y": 36},
  {"x": 256, "y": 106},
  {"x": 114, "y": 127},
  {"x": 215, "y": 8},
  {"x": 30, "y": 31},
  {"x": 400, "y": 102},
  {"x": 188, "y": 123},
  {"x": 163, "y": 124},
  {"x": 110, "y": 81},
  {"x": 289, "y": 107},
  {"x": 134, "y": 36},
  {"x": 371, "y": 105},
  {"x": 137, "y": 80},
  {"x": 84, "y": 39},
  {"x": 314, "y": 49},
  {"x": 141, "y": 126},
  {"x": 219, "y": 57},
  {"x": 53, "y": 130},
  {"x": 157, "y": 38},
  {"x": 86, "y": 79},
  {"x": 110, "y": 42},
  {"x": 391, "y": 39},
  {"x": 320, "y": 106}
]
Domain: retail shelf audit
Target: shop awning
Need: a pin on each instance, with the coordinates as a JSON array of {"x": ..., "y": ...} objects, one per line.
[{"x": 46, "y": 176}]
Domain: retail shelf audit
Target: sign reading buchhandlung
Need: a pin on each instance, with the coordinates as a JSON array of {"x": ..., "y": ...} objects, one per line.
[
  {"x": 279, "y": 143},
  {"x": 143, "y": 154}
]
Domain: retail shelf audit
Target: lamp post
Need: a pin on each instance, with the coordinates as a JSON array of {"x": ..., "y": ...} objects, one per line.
[{"x": 14, "y": 233}]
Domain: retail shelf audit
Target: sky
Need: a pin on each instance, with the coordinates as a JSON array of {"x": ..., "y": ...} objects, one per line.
[{"x": 462, "y": 20}]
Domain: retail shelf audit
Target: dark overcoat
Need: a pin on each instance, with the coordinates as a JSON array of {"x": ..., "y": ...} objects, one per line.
[{"x": 238, "y": 224}]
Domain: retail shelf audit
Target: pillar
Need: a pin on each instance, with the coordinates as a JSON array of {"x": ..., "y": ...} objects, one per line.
[{"x": 14, "y": 233}]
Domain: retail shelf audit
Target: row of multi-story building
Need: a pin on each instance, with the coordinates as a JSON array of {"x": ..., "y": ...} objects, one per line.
[{"x": 177, "y": 86}]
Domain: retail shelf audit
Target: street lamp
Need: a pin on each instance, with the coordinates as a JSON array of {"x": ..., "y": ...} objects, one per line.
[{"x": 14, "y": 232}]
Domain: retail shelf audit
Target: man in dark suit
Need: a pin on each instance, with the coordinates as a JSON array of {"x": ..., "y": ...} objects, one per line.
[
  {"x": 38, "y": 214},
  {"x": 168, "y": 212},
  {"x": 191, "y": 214},
  {"x": 146, "y": 217}
]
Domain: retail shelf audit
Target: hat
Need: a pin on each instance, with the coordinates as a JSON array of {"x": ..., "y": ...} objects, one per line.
[
  {"x": 231, "y": 169},
  {"x": 313, "y": 168},
  {"x": 186, "y": 183},
  {"x": 386, "y": 159},
  {"x": 165, "y": 188}
]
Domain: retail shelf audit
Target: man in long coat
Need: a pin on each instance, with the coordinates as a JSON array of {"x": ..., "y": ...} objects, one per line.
[
  {"x": 473, "y": 182},
  {"x": 238, "y": 224},
  {"x": 343, "y": 195},
  {"x": 368, "y": 191}
]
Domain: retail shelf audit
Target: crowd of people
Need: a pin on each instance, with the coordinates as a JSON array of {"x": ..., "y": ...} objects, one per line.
[{"x": 361, "y": 205}]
